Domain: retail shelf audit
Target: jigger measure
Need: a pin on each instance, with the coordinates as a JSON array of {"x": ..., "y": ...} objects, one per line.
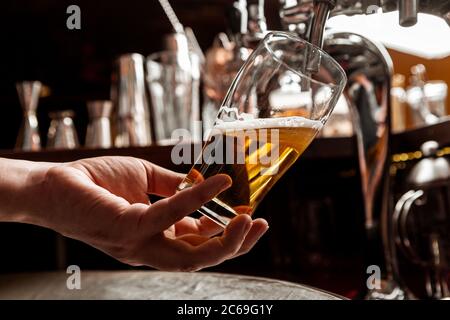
[
  {"x": 99, "y": 129},
  {"x": 28, "y": 138}
]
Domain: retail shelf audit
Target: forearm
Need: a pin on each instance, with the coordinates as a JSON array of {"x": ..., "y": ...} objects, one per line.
[{"x": 19, "y": 189}]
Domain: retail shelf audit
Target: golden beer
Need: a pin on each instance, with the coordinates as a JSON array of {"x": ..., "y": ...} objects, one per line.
[{"x": 255, "y": 154}]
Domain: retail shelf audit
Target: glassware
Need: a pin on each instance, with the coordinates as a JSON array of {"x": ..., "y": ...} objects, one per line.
[
  {"x": 132, "y": 127},
  {"x": 248, "y": 27},
  {"x": 98, "y": 133},
  {"x": 436, "y": 95},
  {"x": 399, "y": 106},
  {"x": 28, "y": 138},
  {"x": 174, "y": 85},
  {"x": 62, "y": 133},
  {"x": 277, "y": 104},
  {"x": 223, "y": 61},
  {"x": 418, "y": 101}
]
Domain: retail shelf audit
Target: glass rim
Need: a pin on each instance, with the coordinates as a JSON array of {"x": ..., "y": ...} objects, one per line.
[{"x": 294, "y": 37}]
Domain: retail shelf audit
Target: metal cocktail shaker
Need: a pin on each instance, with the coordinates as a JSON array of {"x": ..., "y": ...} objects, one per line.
[{"x": 130, "y": 100}]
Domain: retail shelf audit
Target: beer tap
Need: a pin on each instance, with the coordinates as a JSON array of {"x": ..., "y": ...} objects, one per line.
[
  {"x": 370, "y": 112},
  {"x": 308, "y": 17}
]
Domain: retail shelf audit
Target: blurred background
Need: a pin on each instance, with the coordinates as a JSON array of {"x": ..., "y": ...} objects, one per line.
[{"x": 316, "y": 212}]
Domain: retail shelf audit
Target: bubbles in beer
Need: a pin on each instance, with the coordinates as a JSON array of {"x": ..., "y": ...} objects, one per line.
[
  {"x": 261, "y": 151},
  {"x": 269, "y": 123}
]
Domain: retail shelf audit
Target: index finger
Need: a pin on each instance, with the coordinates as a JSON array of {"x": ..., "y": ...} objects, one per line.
[
  {"x": 176, "y": 255},
  {"x": 164, "y": 213}
]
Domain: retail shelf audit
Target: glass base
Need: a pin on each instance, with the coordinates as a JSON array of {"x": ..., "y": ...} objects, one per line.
[{"x": 218, "y": 212}]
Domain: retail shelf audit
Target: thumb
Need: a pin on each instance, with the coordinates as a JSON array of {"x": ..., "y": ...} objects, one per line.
[{"x": 164, "y": 213}]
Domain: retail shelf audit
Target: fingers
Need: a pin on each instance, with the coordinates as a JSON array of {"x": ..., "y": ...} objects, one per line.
[
  {"x": 193, "y": 239},
  {"x": 192, "y": 254},
  {"x": 258, "y": 229},
  {"x": 202, "y": 226},
  {"x": 164, "y": 213},
  {"x": 161, "y": 181}
]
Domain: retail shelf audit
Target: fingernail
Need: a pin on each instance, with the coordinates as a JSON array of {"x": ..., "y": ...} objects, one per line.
[
  {"x": 247, "y": 227},
  {"x": 225, "y": 182},
  {"x": 265, "y": 228},
  {"x": 216, "y": 184}
]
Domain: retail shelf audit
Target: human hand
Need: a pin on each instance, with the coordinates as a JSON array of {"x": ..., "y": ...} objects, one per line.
[{"x": 104, "y": 203}]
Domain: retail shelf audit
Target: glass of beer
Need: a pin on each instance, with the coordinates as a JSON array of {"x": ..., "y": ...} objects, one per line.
[{"x": 276, "y": 105}]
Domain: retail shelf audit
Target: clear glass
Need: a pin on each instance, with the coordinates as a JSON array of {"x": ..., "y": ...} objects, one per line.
[
  {"x": 174, "y": 84},
  {"x": 223, "y": 62},
  {"x": 278, "y": 102},
  {"x": 62, "y": 133}
]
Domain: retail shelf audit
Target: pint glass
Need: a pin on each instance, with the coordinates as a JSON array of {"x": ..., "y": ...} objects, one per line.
[{"x": 276, "y": 105}]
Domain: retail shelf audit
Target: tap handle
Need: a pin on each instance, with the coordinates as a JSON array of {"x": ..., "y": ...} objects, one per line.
[
  {"x": 408, "y": 12},
  {"x": 238, "y": 17}
]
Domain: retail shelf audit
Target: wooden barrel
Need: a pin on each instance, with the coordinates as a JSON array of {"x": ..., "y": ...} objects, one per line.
[{"x": 150, "y": 285}]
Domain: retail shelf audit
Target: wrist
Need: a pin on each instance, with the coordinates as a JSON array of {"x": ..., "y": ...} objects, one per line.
[
  {"x": 21, "y": 190},
  {"x": 36, "y": 195}
]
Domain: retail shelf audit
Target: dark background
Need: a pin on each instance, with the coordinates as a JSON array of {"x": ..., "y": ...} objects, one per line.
[
  {"x": 315, "y": 211},
  {"x": 76, "y": 64},
  {"x": 315, "y": 245}
]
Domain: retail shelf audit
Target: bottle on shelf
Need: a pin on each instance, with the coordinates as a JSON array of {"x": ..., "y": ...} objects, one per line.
[
  {"x": 399, "y": 107},
  {"x": 418, "y": 102}
]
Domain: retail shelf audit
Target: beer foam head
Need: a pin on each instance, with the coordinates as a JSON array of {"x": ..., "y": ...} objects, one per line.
[{"x": 267, "y": 123}]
